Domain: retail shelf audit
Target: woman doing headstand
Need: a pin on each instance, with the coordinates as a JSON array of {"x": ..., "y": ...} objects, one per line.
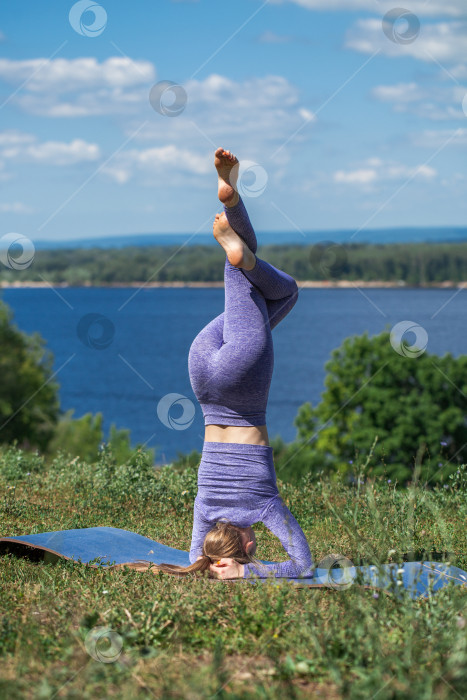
[{"x": 230, "y": 364}]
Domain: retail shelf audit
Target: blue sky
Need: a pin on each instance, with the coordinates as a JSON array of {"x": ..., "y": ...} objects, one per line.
[{"x": 339, "y": 123}]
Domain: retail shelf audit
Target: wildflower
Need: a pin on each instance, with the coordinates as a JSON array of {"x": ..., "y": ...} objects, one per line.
[
  {"x": 443, "y": 443},
  {"x": 350, "y": 461},
  {"x": 400, "y": 571},
  {"x": 399, "y": 583},
  {"x": 389, "y": 481},
  {"x": 446, "y": 486},
  {"x": 440, "y": 464},
  {"x": 104, "y": 592},
  {"x": 375, "y": 595}
]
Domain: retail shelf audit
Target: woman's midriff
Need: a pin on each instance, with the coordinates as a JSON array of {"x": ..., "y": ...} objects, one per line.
[{"x": 250, "y": 434}]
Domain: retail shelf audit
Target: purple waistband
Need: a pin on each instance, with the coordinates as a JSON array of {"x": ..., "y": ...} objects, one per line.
[{"x": 237, "y": 448}]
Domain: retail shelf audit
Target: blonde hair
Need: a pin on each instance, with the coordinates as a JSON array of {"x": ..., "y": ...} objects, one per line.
[{"x": 224, "y": 540}]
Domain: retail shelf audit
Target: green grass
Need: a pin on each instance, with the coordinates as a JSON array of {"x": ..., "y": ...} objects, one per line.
[{"x": 176, "y": 638}]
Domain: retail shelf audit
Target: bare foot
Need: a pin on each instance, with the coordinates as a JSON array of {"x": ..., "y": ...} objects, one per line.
[
  {"x": 236, "y": 249},
  {"x": 227, "y": 167}
]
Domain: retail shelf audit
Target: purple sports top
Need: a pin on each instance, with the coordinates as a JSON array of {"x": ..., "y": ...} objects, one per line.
[{"x": 237, "y": 482}]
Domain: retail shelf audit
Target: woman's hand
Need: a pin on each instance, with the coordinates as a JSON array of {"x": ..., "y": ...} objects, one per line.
[{"x": 227, "y": 568}]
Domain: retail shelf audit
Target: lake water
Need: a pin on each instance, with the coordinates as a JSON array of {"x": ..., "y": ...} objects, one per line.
[{"x": 147, "y": 334}]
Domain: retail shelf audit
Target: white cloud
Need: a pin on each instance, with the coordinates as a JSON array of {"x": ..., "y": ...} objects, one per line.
[
  {"x": 14, "y": 208},
  {"x": 164, "y": 161},
  {"x": 307, "y": 114},
  {"x": 67, "y": 75},
  {"x": 79, "y": 87},
  {"x": 438, "y": 102},
  {"x": 361, "y": 176},
  {"x": 59, "y": 153},
  {"x": 400, "y": 93},
  {"x": 453, "y": 8},
  {"x": 444, "y": 41},
  {"x": 20, "y": 147},
  {"x": 376, "y": 170},
  {"x": 434, "y": 139},
  {"x": 12, "y": 137},
  {"x": 252, "y": 116}
]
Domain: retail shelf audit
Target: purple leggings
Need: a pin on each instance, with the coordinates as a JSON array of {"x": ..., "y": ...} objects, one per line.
[{"x": 231, "y": 360}]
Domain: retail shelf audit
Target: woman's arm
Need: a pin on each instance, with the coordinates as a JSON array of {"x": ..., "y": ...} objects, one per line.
[
  {"x": 201, "y": 527},
  {"x": 278, "y": 518}
]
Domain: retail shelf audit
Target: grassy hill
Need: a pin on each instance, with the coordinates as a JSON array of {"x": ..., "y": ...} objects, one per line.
[{"x": 186, "y": 638}]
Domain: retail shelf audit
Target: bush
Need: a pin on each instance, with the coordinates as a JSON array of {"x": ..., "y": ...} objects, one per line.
[{"x": 413, "y": 406}]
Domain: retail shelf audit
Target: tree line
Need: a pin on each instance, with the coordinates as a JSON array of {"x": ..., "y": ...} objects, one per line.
[{"x": 410, "y": 263}]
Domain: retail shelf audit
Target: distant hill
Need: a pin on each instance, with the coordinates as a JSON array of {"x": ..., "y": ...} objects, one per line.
[{"x": 444, "y": 234}]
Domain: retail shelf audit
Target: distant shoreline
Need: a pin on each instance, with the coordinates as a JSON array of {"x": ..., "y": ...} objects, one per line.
[{"x": 302, "y": 285}]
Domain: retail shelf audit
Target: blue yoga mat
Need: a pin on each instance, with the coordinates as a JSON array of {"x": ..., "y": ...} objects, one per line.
[{"x": 107, "y": 546}]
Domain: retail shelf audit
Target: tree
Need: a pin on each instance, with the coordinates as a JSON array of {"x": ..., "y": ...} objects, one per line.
[
  {"x": 80, "y": 437},
  {"x": 29, "y": 405},
  {"x": 415, "y": 405},
  {"x": 83, "y": 438}
]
